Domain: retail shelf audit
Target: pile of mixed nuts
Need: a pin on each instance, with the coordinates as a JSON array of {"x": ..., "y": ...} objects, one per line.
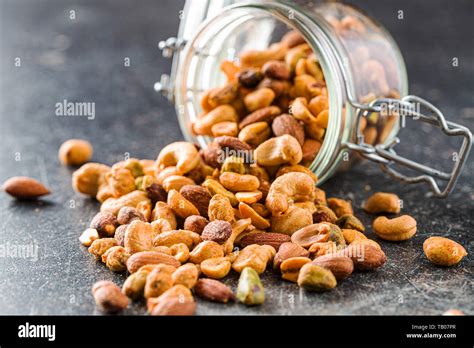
[{"x": 245, "y": 203}]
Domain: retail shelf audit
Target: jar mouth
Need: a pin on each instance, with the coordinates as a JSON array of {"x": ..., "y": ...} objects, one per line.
[{"x": 235, "y": 29}]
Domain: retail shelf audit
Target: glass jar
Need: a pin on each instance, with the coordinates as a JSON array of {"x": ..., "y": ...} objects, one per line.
[{"x": 363, "y": 68}]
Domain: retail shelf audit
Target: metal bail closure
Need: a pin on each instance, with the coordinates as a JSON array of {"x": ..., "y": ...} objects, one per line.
[{"x": 386, "y": 156}]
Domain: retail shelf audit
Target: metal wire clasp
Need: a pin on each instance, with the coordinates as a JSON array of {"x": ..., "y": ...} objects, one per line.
[{"x": 386, "y": 156}]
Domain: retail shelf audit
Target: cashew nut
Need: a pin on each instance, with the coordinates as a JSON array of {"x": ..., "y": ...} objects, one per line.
[
  {"x": 181, "y": 154},
  {"x": 222, "y": 113},
  {"x": 279, "y": 150},
  {"x": 396, "y": 229},
  {"x": 289, "y": 188}
]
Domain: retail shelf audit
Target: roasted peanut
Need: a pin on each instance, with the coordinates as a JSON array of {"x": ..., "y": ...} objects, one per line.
[
  {"x": 164, "y": 211},
  {"x": 216, "y": 267},
  {"x": 222, "y": 113},
  {"x": 206, "y": 250},
  {"x": 259, "y": 99},
  {"x": 176, "y": 182},
  {"x": 314, "y": 233}
]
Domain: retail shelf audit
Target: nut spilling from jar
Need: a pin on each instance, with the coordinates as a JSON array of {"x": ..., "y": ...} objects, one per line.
[{"x": 246, "y": 204}]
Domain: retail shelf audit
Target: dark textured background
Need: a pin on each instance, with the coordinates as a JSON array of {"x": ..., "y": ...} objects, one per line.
[{"x": 82, "y": 60}]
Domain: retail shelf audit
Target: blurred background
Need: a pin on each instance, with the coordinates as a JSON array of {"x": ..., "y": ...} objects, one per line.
[{"x": 46, "y": 57}]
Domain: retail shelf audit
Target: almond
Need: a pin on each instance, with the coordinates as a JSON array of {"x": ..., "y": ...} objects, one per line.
[
  {"x": 198, "y": 196},
  {"x": 218, "y": 231},
  {"x": 365, "y": 256},
  {"x": 287, "y": 124},
  {"x": 265, "y": 114},
  {"x": 265, "y": 238},
  {"x": 150, "y": 258},
  {"x": 213, "y": 290},
  {"x": 340, "y": 266},
  {"x": 23, "y": 187}
]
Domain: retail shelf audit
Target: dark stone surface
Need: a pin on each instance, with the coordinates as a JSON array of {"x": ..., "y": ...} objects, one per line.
[{"x": 82, "y": 60}]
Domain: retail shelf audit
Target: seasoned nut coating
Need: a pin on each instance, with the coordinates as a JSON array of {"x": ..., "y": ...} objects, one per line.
[
  {"x": 443, "y": 251},
  {"x": 100, "y": 246},
  {"x": 88, "y": 178},
  {"x": 221, "y": 209},
  {"x": 116, "y": 258}
]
